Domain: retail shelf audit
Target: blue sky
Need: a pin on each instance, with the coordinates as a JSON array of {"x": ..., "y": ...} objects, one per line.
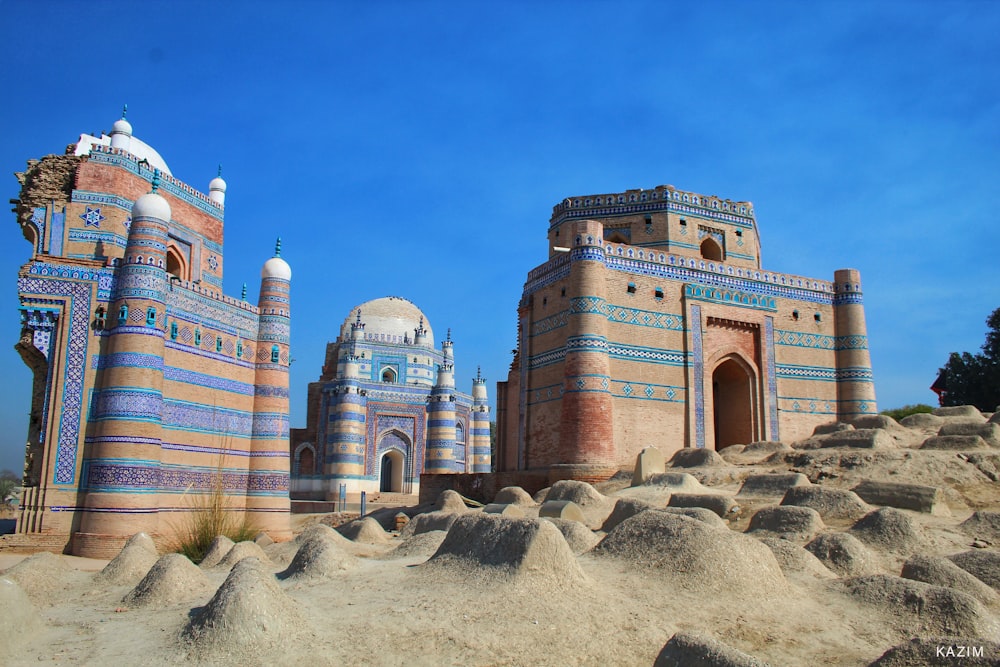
[{"x": 417, "y": 148}]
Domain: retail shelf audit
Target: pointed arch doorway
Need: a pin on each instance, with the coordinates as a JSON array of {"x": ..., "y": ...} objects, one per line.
[{"x": 734, "y": 401}]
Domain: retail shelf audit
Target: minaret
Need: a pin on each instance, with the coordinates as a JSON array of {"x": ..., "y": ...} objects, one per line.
[
  {"x": 586, "y": 435},
  {"x": 267, "y": 501},
  {"x": 128, "y": 408},
  {"x": 480, "y": 427},
  {"x": 345, "y": 458},
  {"x": 217, "y": 189},
  {"x": 441, "y": 416},
  {"x": 855, "y": 386},
  {"x": 121, "y": 132}
]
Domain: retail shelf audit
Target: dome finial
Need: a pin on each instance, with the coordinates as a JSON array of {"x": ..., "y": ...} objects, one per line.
[
  {"x": 277, "y": 247},
  {"x": 124, "y": 110},
  {"x": 244, "y": 295},
  {"x": 449, "y": 335},
  {"x": 156, "y": 180},
  {"x": 220, "y": 171}
]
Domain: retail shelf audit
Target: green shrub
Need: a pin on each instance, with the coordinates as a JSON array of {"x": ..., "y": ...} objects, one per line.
[{"x": 907, "y": 410}]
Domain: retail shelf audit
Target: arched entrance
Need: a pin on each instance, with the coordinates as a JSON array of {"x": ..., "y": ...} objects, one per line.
[
  {"x": 733, "y": 401},
  {"x": 391, "y": 472},
  {"x": 710, "y": 249}
]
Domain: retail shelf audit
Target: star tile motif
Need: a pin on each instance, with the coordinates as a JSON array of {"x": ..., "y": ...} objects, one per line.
[
  {"x": 127, "y": 223},
  {"x": 213, "y": 263},
  {"x": 93, "y": 217}
]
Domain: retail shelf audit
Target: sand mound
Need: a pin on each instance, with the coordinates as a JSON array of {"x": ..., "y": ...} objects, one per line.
[
  {"x": 687, "y": 650},
  {"x": 579, "y": 538},
  {"x": 243, "y": 550},
  {"x": 429, "y": 521},
  {"x": 958, "y": 443},
  {"x": 965, "y": 412},
  {"x": 695, "y": 457},
  {"x": 247, "y": 616},
  {"x": 364, "y": 531},
  {"x": 19, "y": 619},
  {"x": 787, "y": 522},
  {"x": 142, "y": 540},
  {"x": 922, "y": 420},
  {"x": 773, "y": 484},
  {"x": 129, "y": 567},
  {"x": 423, "y": 545},
  {"x": 688, "y": 553},
  {"x": 832, "y": 427},
  {"x": 450, "y": 501},
  {"x": 173, "y": 578},
  {"x": 513, "y": 495},
  {"x": 217, "y": 550},
  {"x": 319, "y": 557},
  {"x": 875, "y": 421},
  {"x": 675, "y": 481},
  {"x": 489, "y": 546},
  {"x": 889, "y": 529},
  {"x": 263, "y": 539},
  {"x": 922, "y": 608},
  {"x": 832, "y": 504},
  {"x": 706, "y": 516},
  {"x": 942, "y": 572},
  {"x": 989, "y": 431},
  {"x": 282, "y": 553},
  {"x": 626, "y": 508},
  {"x": 843, "y": 554},
  {"x": 794, "y": 559},
  {"x": 322, "y": 530},
  {"x": 984, "y": 565},
  {"x": 40, "y": 575},
  {"x": 984, "y": 525},
  {"x": 923, "y": 651},
  {"x": 506, "y": 510},
  {"x": 766, "y": 447}
]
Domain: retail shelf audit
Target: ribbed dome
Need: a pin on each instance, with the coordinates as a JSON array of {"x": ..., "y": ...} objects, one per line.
[
  {"x": 276, "y": 268},
  {"x": 151, "y": 205},
  {"x": 391, "y": 315}
]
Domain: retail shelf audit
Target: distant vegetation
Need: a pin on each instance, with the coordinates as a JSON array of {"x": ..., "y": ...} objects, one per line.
[
  {"x": 907, "y": 410},
  {"x": 974, "y": 379}
]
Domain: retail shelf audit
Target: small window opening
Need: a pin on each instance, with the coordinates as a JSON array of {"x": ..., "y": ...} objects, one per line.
[
  {"x": 631, "y": 288},
  {"x": 197, "y": 337},
  {"x": 122, "y": 315},
  {"x": 739, "y": 232},
  {"x": 173, "y": 330},
  {"x": 562, "y": 292},
  {"x": 658, "y": 293},
  {"x": 795, "y": 315},
  {"x": 218, "y": 344},
  {"x": 818, "y": 317},
  {"x": 388, "y": 375},
  {"x": 239, "y": 348},
  {"x": 684, "y": 222},
  {"x": 151, "y": 317},
  {"x": 99, "y": 318},
  {"x": 275, "y": 354}
]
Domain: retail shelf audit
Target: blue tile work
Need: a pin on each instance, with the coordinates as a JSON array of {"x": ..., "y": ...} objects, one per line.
[
  {"x": 647, "y": 354},
  {"x": 78, "y": 290},
  {"x": 551, "y": 323},
  {"x": 105, "y": 199},
  {"x": 772, "y": 379},
  {"x": 698, "y": 363},
  {"x": 187, "y": 416},
  {"x": 131, "y": 404},
  {"x": 88, "y": 236},
  {"x": 38, "y": 220},
  {"x": 651, "y": 201},
  {"x": 820, "y": 341},
  {"x": 824, "y": 374},
  {"x": 92, "y": 217},
  {"x": 409, "y": 419},
  {"x": 132, "y": 476},
  {"x": 56, "y": 232},
  {"x": 729, "y": 297},
  {"x": 126, "y": 359},
  {"x": 813, "y": 405}
]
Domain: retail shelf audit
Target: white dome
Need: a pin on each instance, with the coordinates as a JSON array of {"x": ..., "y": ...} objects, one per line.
[
  {"x": 391, "y": 315},
  {"x": 217, "y": 184},
  {"x": 151, "y": 205},
  {"x": 122, "y": 126},
  {"x": 276, "y": 268}
]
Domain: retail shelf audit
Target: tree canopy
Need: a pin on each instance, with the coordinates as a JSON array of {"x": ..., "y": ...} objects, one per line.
[{"x": 974, "y": 379}]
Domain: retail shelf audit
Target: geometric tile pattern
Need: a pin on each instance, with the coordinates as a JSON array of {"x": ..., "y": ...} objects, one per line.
[
  {"x": 772, "y": 379},
  {"x": 729, "y": 297}
]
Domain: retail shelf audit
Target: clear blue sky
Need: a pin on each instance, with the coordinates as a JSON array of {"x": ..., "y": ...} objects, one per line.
[{"x": 417, "y": 148}]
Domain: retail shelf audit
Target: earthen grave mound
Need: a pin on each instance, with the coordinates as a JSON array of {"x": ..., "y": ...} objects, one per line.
[{"x": 173, "y": 578}]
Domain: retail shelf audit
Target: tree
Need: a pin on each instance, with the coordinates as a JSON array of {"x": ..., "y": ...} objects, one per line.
[
  {"x": 974, "y": 379},
  {"x": 8, "y": 482}
]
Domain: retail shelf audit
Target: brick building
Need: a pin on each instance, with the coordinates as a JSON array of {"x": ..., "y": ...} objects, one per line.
[
  {"x": 150, "y": 385},
  {"x": 385, "y": 409},
  {"x": 653, "y": 323}
]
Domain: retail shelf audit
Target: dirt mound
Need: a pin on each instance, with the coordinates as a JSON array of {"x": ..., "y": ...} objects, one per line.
[
  {"x": 248, "y": 616},
  {"x": 958, "y": 443},
  {"x": 984, "y": 565},
  {"x": 989, "y": 431},
  {"x": 875, "y": 421},
  {"x": 889, "y": 529},
  {"x": 787, "y": 522},
  {"x": 766, "y": 447},
  {"x": 243, "y": 550},
  {"x": 696, "y": 457},
  {"x": 626, "y": 508},
  {"x": 319, "y": 557},
  {"x": 844, "y": 554},
  {"x": 423, "y": 523},
  {"x": 490, "y": 546},
  {"x": 832, "y": 504},
  {"x": 142, "y": 540},
  {"x": 964, "y": 412},
  {"x": 450, "y": 501},
  {"x": 984, "y": 525},
  {"x": 41, "y": 575},
  {"x": 795, "y": 560},
  {"x": 719, "y": 503},
  {"x": 173, "y": 578},
  {"x": 706, "y": 516},
  {"x": 687, "y": 553},
  {"x": 581, "y": 493},
  {"x": 942, "y": 572},
  {"x": 939, "y": 652},
  {"x": 771, "y": 484},
  {"x": 364, "y": 531},
  {"x": 579, "y": 538},
  {"x": 513, "y": 495},
  {"x": 19, "y": 620},
  {"x": 321, "y": 530},
  {"x": 129, "y": 567},
  {"x": 924, "y": 609},
  {"x": 687, "y": 650},
  {"x": 922, "y": 420},
  {"x": 217, "y": 550},
  {"x": 423, "y": 545}
]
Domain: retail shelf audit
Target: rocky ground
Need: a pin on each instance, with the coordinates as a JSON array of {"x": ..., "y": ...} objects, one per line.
[{"x": 871, "y": 543}]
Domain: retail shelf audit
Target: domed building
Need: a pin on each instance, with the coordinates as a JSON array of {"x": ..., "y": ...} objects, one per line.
[
  {"x": 385, "y": 409},
  {"x": 151, "y": 387}
]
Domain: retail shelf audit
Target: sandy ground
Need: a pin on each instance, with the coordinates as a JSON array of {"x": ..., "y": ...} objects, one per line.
[{"x": 544, "y": 606}]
